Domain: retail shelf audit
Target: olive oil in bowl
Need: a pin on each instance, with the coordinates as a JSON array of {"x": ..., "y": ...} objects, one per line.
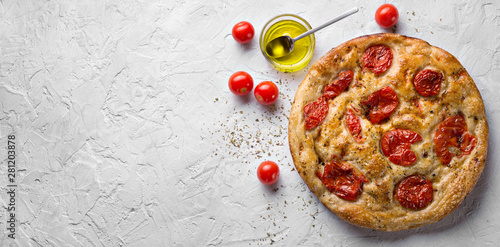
[{"x": 293, "y": 26}]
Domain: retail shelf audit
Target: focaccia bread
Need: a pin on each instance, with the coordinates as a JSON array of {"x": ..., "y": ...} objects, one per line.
[{"x": 389, "y": 132}]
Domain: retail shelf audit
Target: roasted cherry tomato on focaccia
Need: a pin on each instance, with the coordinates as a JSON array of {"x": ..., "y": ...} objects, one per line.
[
  {"x": 268, "y": 172},
  {"x": 266, "y": 92},
  {"x": 339, "y": 85},
  {"x": 240, "y": 83},
  {"x": 354, "y": 125},
  {"x": 377, "y": 58},
  {"x": 396, "y": 144},
  {"x": 428, "y": 82},
  {"x": 381, "y": 104},
  {"x": 243, "y": 32},
  {"x": 393, "y": 199},
  {"x": 315, "y": 112},
  {"x": 452, "y": 132},
  {"x": 414, "y": 192},
  {"x": 343, "y": 180},
  {"x": 386, "y": 15}
]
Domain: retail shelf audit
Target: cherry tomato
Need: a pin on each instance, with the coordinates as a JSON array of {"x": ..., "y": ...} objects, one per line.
[
  {"x": 315, "y": 112},
  {"x": 268, "y": 172},
  {"x": 343, "y": 180},
  {"x": 339, "y": 85},
  {"x": 386, "y": 15},
  {"x": 354, "y": 125},
  {"x": 240, "y": 83},
  {"x": 381, "y": 104},
  {"x": 452, "y": 132},
  {"x": 243, "y": 32},
  {"x": 396, "y": 144},
  {"x": 414, "y": 192},
  {"x": 428, "y": 82},
  {"x": 266, "y": 92},
  {"x": 377, "y": 58}
]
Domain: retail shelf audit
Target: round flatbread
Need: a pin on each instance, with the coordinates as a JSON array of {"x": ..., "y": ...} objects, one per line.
[{"x": 389, "y": 132}]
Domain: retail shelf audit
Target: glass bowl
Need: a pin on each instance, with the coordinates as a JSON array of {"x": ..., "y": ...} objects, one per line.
[{"x": 291, "y": 25}]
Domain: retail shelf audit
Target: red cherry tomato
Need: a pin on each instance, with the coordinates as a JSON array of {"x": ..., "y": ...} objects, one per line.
[
  {"x": 396, "y": 144},
  {"x": 386, "y": 15},
  {"x": 268, "y": 172},
  {"x": 428, "y": 82},
  {"x": 377, "y": 58},
  {"x": 266, "y": 92},
  {"x": 243, "y": 32},
  {"x": 339, "y": 85},
  {"x": 381, "y": 104},
  {"x": 315, "y": 112},
  {"x": 452, "y": 132},
  {"x": 414, "y": 192},
  {"x": 240, "y": 83},
  {"x": 354, "y": 125}
]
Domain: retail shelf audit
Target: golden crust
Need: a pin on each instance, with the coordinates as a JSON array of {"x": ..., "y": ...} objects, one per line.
[{"x": 377, "y": 206}]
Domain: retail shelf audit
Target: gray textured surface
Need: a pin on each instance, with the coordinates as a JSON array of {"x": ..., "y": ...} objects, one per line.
[{"x": 127, "y": 134}]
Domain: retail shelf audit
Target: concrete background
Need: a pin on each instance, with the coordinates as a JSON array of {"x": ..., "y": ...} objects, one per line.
[{"x": 127, "y": 134}]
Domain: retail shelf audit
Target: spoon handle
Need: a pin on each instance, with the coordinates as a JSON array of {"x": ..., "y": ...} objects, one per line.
[{"x": 338, "y": 18}]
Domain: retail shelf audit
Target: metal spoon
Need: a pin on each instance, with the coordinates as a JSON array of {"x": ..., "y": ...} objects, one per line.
[{"x": 283, "y": 45}]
